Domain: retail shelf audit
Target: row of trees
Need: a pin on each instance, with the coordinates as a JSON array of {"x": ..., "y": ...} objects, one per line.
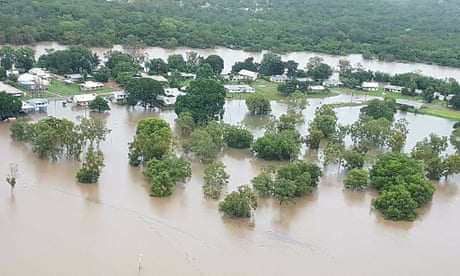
[
  {"x": 351, "y": 28},
  {"x": 53, "y": 138}
]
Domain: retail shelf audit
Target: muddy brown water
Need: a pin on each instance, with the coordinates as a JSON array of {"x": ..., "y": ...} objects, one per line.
[{"x": 52, "y": 225}]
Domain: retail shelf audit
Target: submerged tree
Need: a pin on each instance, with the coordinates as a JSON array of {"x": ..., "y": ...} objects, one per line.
[
  {"x": 91, "y": 168},
  {"x": 215, "y": 177},
  {"x": 238, "y": 204},
  {"x": 12, "y": 176}
]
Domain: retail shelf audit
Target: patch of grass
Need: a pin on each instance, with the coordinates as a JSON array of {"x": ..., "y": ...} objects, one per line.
[
  {"x": 58, "y": 88},
  {"x": 447, "y": 114}
]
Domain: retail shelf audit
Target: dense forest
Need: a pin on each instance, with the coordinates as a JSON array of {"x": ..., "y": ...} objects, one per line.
[{"x": 421, "y": 31}]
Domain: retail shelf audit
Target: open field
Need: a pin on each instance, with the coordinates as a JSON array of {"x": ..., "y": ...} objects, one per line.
[{"x": 58, "y": 88}]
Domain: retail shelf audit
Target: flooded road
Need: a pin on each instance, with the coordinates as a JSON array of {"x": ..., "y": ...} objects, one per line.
[{"x": 52, "y": 225}]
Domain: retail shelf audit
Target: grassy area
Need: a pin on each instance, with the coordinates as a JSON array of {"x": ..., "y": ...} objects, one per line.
[
  {"x": 58, "y": 88},
  {"x": 447, "y": 114},
  {"x": 270, "y": 90}
]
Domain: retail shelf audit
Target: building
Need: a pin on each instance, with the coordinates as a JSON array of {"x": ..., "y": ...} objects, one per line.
[
  {"x": 279, "y": 78},
  {"x": 10, "y": 90},
  {"x": 247, "y": 75},
  {"x": 39, "y": 105},
  {"x": 119, "y": 97},
  {"x": 83, "y": 99},
  {"x": 332, "y": 83},
  {"x": 154, "y": 77},
  {"x": 91, "y": 85},
  {"x": 170, "y": 96},
  {"x": 190, "y": 76},
  {"x": 236, "y": 88},
  {"x": 370, "y": 86},
  {"x": 41, "y": 73},
  {"x": 316, "y": 88},
  {"x": 73, "y": 77},
  {"x": 393, "y": 88}
]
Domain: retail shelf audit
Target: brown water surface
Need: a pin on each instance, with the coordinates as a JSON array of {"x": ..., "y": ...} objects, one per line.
[{"x": 52, "y": 225}]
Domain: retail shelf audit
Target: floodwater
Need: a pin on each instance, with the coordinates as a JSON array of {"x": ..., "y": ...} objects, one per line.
[
  {"x": 231, "y": 56},
  {"x": 52, "y": 225}
]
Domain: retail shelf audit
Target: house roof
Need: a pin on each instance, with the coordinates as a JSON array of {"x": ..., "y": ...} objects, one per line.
[
  {"x": 248, "y": 73},
  {"x": 370, "y": 84},
  {"x": 10, "y": 89},
  {"x": 154, "y": 77},
  {"x": 84, "y": 97}
]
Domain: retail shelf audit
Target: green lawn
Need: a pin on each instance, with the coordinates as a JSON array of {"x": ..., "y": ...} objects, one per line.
[
  {"x": 270, "y": 90},
  {"x": 58, "y": 88},
  {"x": 448, "y": 114}
]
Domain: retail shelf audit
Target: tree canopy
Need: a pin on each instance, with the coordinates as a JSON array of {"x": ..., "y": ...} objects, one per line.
[
  {"x": 153, "y": 139},
  {"x": 239, "y": 203},
  {"x": 9, "y": 106},
  {"x": 205, "y": 101}
]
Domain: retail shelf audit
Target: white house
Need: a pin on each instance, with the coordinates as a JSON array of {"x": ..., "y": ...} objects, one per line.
[
  {"x": 91, "y": 85},
  {"x": 393, "y": 88},
  {"x": 10, "y": 90},
  {"x": 370, "y": 86},
  {"x": 83, "y": 99},
  {"x": 233, "y": 88},
  {"x": 316, "y": 88},
  {"x": 332, "y": 83},
  {"x": 154, "y": 77},
  {"x": 279, "y": 78},
  {"x": 247, "y": 75},
  {"x": 73, "y": 77},
  {"x": 170, "y": 96},
  {"x": 119, "y": 96}
]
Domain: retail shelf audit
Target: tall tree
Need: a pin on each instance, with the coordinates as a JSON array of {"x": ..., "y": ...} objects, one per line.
[
  {"x": 271, "y": 64},
  {"x": 239, "y": 203},
  {"x": 10, "y": 106},
  {"x": 143, "y": 91},
  {"x": 153, "y": 139},
  {"x": 205, "y": 101},
  {"x": 216, "y": 62}
]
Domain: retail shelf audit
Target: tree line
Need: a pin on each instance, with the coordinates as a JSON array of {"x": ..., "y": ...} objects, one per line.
[{"x": 384, "y": 30}]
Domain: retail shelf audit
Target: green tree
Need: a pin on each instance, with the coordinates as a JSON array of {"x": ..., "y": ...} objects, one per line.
[
  {"x": 205, "y": 72},
  {"x": 9, "y": 106},
  {"x": 238, "y": 137},
  {"x": 455, "y": 102},
  {"x": 263, "y": 184},
  {"x": 325, "y": 121},
  {"x": 205, "y": 101},
  {"x": 398, "y": 136},
  {"x": 396, "y": 203},
  {"x": 176, "y": 62},
  {"x": 314, "y": 139},
  {"x": 202, "y": 144},
  {"x": 353, "y": 159},
  {"x": 165, "y": 173},
  {"x": 247, "y": 64},
  {"x": 215, "y": 177},
  {"x": 451, "y": 165},
  {"x": 75, "y": 59},
  {"x": 143, "y": 91},
  {"x": 367, "y": 133},
  {"x": 334, "y": 154},
  {"x": 21, "y": 130},
  {"x": 282, "y": 145},
  {"x": 157, "y": 66},
  {"x": 380, "y": 109},
  {"x": 318, "y": 70},
  {"x": 428, "y": 150},
  {"x": 356, "y": 179},
  {"x": 185, "y": 122},
  {"x": 291, "y": 67},
  {"x": 455, "y": 139},
  {"x": 271, "y": 64},
  {"x": 238, "y": 204},
  {"x": 216, "y": 62},
  {"x": 153, "y": 139},
  {"x": 12, "y": 176},
  {"x": 99, "y": 105},
  {"x": 92, "y": 130},
  {"x": 402, "y": 185},
  {"x": 258, "y": 104},
  {"x": 91, "y": 167}
]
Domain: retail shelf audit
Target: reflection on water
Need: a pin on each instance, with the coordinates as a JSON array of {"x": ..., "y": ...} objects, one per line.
[{"x": 53, "y": 225}]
